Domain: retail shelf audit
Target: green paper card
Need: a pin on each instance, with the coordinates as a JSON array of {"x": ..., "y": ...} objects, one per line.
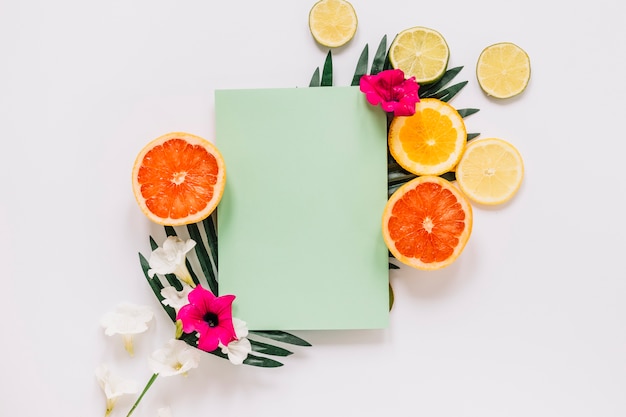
[{"x": 299, "y": 224}]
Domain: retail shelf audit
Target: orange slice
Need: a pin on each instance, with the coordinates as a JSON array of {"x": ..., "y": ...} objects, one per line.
[
  {"x": 427, "y": 223},
  {"x": 178, "y": 179},
  {"x": 431, "y": 141}
]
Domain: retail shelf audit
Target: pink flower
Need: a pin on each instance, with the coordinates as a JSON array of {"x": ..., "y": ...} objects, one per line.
[
  {"x": 210, "y": 316},
  {"x": 392, "y": 91}
]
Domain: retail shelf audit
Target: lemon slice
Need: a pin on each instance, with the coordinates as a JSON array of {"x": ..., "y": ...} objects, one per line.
[
  {"x": 431, "y": 141},
  {"x": 503, "y": 70},
  {"x": 332, "y": 23},
  {"x": 420, "y": 52},
  {"x": 490, "y": 171}
]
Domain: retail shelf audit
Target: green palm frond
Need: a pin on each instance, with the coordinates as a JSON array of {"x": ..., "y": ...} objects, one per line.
[
  {"x": 281, "y": 336},
  {"x": 315, "y": 79},
  {"x": 327, "y": 71},
  {"x": 381, "y": 58},
  {"x": 207, "y": 262},
  {"x": 361, "y": 66},
  {"x": 427, "y": 90}
]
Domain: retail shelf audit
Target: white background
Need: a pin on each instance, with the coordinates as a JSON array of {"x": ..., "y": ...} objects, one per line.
[{"x": 530, "y": 321}]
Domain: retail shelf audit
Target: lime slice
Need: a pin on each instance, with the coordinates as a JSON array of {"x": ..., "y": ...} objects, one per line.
[
  {"x": 332, "y": 23},
  {"x": 420, "y": 52},
  {"x": 503, "y": 70}
]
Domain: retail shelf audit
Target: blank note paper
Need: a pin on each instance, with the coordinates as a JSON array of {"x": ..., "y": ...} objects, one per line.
[{"x": 299, "y": 224}]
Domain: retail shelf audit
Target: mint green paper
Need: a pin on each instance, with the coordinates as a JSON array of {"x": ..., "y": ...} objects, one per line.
[{"x": 299, "y": 224}]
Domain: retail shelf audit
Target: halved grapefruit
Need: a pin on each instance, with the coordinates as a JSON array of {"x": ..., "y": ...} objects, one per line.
[
  {"x": 427, "y": 223},
  {"x": 178, "y": 179}
]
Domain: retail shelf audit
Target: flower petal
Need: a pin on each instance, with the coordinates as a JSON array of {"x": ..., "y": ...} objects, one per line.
[
  {"x": 241, "y": 328},
  {"x": 389, "y": 89},
  {"x": 237, "y": 350},
  {"x": 203, "y": 303},
  {"x": 112, "y": 384},
  {"x": 175, "y": 299},
  {"x": 127, "y": 319},
  {"x": 170, "y": 256},
  {"x": 176, "y": 357}
]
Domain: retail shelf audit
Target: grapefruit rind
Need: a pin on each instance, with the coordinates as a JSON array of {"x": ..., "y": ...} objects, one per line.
[
  {"x": 462, "y": 238},
  {"x": 218, "y": 188}
]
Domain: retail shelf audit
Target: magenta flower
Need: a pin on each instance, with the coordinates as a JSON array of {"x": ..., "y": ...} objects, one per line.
[
  {"x": 210, "y": 316},
  {"x": 392, "y": 91}
]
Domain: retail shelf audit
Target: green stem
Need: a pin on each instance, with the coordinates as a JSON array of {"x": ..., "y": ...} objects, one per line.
[{"x": 148, "y": 385}]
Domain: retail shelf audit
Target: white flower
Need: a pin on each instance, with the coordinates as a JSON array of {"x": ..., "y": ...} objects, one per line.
[
  {"x": 176, "y": 299},
  {"x": 127, "y": 320},
  {"x": 241, "y": 328},
  {"x": 170, "y": 259},
  {"x": 176, "y": 357},
  {"x": 113, "y": 386},
  {"x": 164, "y": 412},
  {"x": 238, "y": 350}
]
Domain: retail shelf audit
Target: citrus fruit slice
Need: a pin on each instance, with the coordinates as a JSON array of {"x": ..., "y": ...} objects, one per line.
[
  {"x": 490, "y": 171},
  {"x": 503, "y": 70},
  {"x": 420, "y": 52},
  {"x": 178, "y": 179},
  {"x": 427, "y": 223},
  {"x": 332, "y": 23},
  {"x": 431, "y": 141}
]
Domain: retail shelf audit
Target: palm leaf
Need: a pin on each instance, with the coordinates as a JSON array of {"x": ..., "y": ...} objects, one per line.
[
  {"x": 399, "y": 177},
  {"x": 156, "y": 286},
  {"x": 327, "y": 72},
  {"x": 262, "y": 362},
  {"x": 450, "y": 176},
  {"x": 268, "y": 349},
  {"x": 467, "y": 112},
  {"x": 194, "y": 277},
  {"x": 315, "y": 79},
  {"x": 211, "y": 233},
  {"x": 253, "y": 360},
  {"x": 361, "y": 67},
  {"x": 380, "y": 58},
  {"x": 204, "y": 258},
  {"x": 207, "y": 261},
  {"x": 448, "y": 93},
  {"x": 426, "y": 91},
  {"x": 281, "y": 336}
]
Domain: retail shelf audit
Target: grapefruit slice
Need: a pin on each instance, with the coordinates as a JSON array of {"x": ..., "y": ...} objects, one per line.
[
  {"x": 427, "y": 222},
  {"x": 178, "y": 179}
]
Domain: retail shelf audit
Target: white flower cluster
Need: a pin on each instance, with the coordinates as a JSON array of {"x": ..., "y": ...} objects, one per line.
[{"x": 176, "y": 356}]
